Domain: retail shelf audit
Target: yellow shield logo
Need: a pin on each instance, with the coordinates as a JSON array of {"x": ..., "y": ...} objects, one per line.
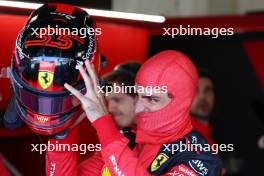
[
  {"x": 45, "y": 79},
  {"x": 159, "y": 160},
  {"x": 105, "y": 171}
]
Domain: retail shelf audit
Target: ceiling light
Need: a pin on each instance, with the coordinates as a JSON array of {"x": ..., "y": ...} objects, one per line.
[{"x": 93, "y": 12}]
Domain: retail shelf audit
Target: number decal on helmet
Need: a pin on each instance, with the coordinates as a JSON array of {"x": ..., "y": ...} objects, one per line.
[{"x": 61, "y": 42}]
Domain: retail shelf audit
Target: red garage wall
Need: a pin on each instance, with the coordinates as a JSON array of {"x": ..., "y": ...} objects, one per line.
[
  {"x": 120, "y": 43},
  {"x": 254, "y": 50},
  {"x": 10, "y": 27}
]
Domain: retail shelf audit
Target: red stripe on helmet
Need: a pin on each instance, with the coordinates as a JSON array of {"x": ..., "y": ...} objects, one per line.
[{"x": 64, "y": 8}]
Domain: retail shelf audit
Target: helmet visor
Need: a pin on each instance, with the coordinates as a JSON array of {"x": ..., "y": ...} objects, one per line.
[
  {"x": 44, "y": 103},
  {"x": 47, "y": 125}
]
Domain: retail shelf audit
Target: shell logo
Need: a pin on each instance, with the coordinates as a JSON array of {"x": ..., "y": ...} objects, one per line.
[
  {"x": 105, "y": 171},
  {"x": 42, "y": 119}
]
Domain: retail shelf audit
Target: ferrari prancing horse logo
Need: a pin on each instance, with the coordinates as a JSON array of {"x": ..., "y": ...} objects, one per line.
[
  {"x": 159, "y": 160},
  {"x": 45, "y": 79}
]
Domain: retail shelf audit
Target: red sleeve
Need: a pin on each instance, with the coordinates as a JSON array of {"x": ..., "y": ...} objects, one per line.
[
  {"x": 116, "y": 154},
  {"x": 3, "y": 170},
  {"x": 62, "y": 162},
  {"x": 66, "y": 163},
  {"x": 92, "y": 166}
]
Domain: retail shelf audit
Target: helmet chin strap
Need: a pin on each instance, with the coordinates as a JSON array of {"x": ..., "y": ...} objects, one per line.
[
  {"x": 63, "y": 134},
  {"x": 80, "y": 118},
  {"x": 11, "y": 119}
]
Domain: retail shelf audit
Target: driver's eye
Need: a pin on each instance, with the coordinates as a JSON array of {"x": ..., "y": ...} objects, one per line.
[
  {"x": 154, "y": 99},
  {"x": 151, "y": 99}
]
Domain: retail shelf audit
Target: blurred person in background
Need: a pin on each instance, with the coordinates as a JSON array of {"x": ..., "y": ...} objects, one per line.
[
  {"x": 122, "y": 105},
  {"x": 203, "y": 104},
  {"x": 201, "y": 110}
]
